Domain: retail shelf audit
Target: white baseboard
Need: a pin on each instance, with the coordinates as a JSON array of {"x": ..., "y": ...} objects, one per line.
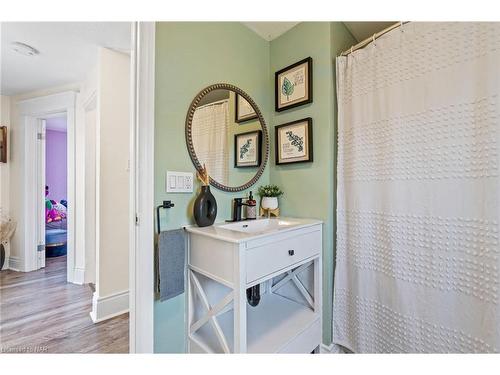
[
  {"x": 104, "y": 308},
  {"x": 78, "y": 276},
  {"x": 16, "y": 264}
]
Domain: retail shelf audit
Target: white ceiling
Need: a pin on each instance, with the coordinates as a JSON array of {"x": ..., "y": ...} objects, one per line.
[
  {"x": 68, "y": 51},
  {"x": 270, "y": 30},
  {"x": 56, "y": 123},
  {"x": 363, "y": 30}
]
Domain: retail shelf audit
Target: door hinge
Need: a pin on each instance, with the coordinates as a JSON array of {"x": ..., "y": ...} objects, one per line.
[
  {"x": 136, "y": 219},
  {"x": 39, "y": 136}
]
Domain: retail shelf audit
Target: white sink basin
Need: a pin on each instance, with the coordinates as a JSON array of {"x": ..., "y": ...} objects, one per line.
[
  {"x": 259, "y": 225},
  {"x": 248, "y": 229}
]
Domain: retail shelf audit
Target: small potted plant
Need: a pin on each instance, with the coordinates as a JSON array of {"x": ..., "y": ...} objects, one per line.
[{"x": 269, "y": 195}]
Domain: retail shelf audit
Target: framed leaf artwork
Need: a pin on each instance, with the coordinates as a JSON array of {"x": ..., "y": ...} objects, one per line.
[
  {"x": 294, "y": 142},
  {"x": 243, "y": 110},
  {"x": 247, "y": 149},
  {"x": 293, "y": 85}
]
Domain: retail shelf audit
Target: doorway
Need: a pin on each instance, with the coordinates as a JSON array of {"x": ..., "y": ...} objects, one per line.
[
  {"x": 73, "y": 234},
  {"x": 40, "y": 213},
  {"x": 30, "y": 110},
  {"x": 56, "y": 188}
]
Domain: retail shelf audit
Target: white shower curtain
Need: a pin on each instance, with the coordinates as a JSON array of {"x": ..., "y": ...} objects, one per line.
[
  {"x": 210, "y": 128},
  {"x": 417, "y": 264}
]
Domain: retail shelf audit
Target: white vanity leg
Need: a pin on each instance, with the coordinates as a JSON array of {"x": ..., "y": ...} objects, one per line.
[
  {"x": 318, "y": 296},
  {"x": 189, "y": 308},
  {"x": 240, "y": 304},
  {"x": 269, "y": 285},
  {"x": 317, "y": 285},
  {"x": 189, "y": 300}
]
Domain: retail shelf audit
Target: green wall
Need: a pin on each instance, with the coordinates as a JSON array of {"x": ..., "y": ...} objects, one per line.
[
  {"x": 190, "y": 56},
  {"x": 316, "y": 198},
  {"x": 309, "y": 186},
  {"x": 310, "y": 189}
]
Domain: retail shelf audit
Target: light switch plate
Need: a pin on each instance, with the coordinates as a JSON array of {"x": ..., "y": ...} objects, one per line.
[{"x": 179, "y": 182}]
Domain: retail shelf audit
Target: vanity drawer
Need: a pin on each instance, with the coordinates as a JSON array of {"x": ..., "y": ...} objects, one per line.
[{"x": 272, "y": 257}]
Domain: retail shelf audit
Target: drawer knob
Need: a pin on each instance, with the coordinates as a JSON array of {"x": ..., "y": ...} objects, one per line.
[{"x": 291, "y": 252}]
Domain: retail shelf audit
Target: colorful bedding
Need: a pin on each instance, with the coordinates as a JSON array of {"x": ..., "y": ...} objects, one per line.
[{"x": 54, "y": 211}]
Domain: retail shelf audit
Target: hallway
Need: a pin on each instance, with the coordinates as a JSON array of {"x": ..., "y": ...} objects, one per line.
[{"x": 41, "y": 312}]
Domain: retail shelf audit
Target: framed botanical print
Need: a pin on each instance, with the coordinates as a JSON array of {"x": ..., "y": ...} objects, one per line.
[
  {"x": 293, "y": 85},
  {"x": 247, "y": 149},
  {"x": 243, "y": 110},
  {"x": 294, "y": 142}
]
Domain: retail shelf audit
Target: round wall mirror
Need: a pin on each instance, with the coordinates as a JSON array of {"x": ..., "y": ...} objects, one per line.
[{"x": 226, "y": 132}]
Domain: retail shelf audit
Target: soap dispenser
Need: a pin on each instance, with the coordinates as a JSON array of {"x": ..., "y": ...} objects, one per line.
[{"x": 251, "y": 208}]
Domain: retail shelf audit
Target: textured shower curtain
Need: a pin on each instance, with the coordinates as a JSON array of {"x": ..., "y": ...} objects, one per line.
[
  {"x": 210, "y": 129},
  {"x": 417, "y": 264}
]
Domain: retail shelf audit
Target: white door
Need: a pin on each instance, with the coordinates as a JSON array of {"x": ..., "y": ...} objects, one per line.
[{"x": 40, "y": 207}]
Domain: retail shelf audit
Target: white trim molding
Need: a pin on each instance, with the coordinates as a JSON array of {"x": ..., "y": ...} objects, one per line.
[
  {"x": 79, "y": 276},
  {"x": 107, "y": 307},
  {"x": 31, "y": 111},
  {"x": 141, "y": 258}
]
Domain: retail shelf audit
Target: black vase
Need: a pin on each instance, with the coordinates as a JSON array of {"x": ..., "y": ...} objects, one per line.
[
  {"x": 205, "y": 208},
  {"x": 2, "y": 255}
]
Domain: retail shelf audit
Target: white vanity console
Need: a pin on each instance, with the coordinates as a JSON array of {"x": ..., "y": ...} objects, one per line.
[{"x": 283, "y": 255}]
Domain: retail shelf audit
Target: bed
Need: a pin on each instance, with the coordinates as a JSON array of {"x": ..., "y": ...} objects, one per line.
[{"x": 55, "y": 228}]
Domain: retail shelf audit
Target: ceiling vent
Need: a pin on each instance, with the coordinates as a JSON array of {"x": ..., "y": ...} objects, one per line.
[{"x": 24, "y": 49}]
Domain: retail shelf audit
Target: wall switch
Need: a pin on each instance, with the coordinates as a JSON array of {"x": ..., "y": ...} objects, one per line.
[
  {"x": 172, "y": 182},
  {"x": 179, "y": 182}
]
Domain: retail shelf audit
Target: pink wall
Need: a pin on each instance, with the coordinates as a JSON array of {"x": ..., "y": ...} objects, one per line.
[{"x": 56, "y": 164}]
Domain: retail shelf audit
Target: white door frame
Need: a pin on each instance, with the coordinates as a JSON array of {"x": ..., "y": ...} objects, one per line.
[
  {"x": 89, "y": 230},
  {"x": 31, "y": 111},
  {"x": 141, "y": 259},
  {"x": 40, "y": 189}
]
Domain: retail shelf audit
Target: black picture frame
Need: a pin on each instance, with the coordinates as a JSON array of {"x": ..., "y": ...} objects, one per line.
[
  {"x": 237, "y": 117},
  {"x": 309, "y": 132},
  {"x": 309, "y": 84},
  {"x": 259, "y": 149}
]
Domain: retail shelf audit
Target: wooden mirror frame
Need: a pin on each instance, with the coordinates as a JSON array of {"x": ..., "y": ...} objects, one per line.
[{"x": 189, "y": 135}]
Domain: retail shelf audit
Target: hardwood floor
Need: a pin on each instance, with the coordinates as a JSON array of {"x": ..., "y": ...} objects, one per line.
[{"x": 41, "y": 312}]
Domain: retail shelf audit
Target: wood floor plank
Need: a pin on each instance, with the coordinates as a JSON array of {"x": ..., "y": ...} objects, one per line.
[{"x": 41, "y": 312}]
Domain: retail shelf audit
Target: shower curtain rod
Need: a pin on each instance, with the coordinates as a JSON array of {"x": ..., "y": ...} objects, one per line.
[{"x": 374, "y": 37}]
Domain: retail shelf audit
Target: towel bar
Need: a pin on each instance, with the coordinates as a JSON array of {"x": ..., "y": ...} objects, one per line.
[{"x": 165, "y": 204}]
